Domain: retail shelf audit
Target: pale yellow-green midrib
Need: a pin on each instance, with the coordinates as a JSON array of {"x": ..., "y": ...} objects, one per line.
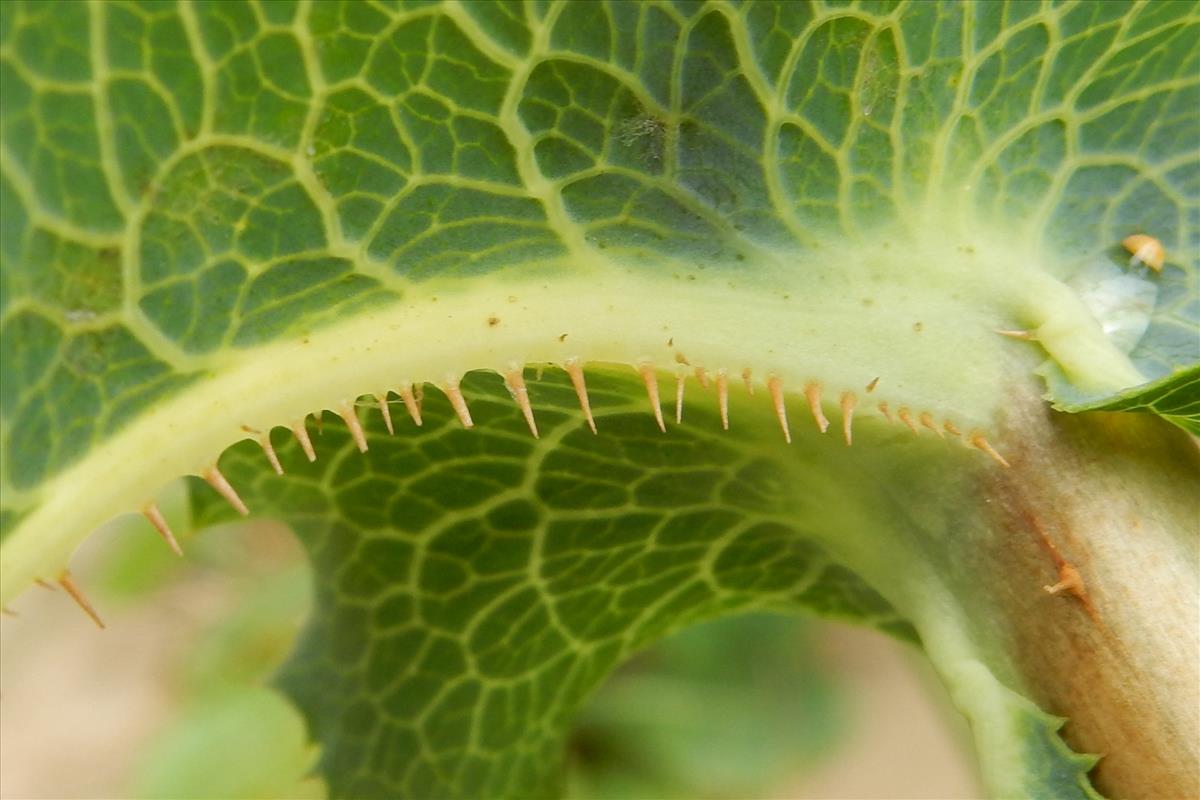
[{"x": 932, "y": 355}]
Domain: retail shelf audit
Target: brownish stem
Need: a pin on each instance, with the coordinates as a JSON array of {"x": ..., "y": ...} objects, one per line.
[{"x": 1106, "y": 509}]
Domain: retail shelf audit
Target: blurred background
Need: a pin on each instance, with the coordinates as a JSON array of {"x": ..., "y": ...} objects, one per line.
[{"x": 756, "y": 706}]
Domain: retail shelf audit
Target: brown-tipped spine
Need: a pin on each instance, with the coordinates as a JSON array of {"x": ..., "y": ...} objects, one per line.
[
  {"x": 300, "y": 431},
  {"x": 515, "y": 382},
  {"x": 410, "y": 403},
  {"x": 79, "y": 597},
  {"x": 849, "y": 401},
  {"x": 775, "y": 388},
  {"x": 349, "y": 414},
  {"x": 159, "y": 522},
  {"x": 813, "y": 393},
  {"x": 384, "y": 409},
  {"x": 575, "y": 373},
  {"x": 927, "y": 422},
  {"x": 264, "y": 441},
  {"x": 217, "y": 481},
  {"x": 978, "y": 441},
  {"x": 459, "y": 404},
  {"x": 650, "y": 378}
]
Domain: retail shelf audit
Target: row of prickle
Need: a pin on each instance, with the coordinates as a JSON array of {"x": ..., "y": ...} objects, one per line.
[{"x": 411, "y": 397}]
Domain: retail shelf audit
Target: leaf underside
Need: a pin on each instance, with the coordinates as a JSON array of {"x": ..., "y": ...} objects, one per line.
[
  {"x": 473, "y": 587},
  {"x": 184, "y": 184},
  {"x": 1175, "y": 397}
]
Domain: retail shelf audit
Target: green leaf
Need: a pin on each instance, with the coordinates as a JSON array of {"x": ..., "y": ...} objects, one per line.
[
  {"x": 474, "y": 586},
  {"x": 464, "y": 572},
  {"x": 222, "y": 217},
  {"x": 1175, "y": 398}
]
